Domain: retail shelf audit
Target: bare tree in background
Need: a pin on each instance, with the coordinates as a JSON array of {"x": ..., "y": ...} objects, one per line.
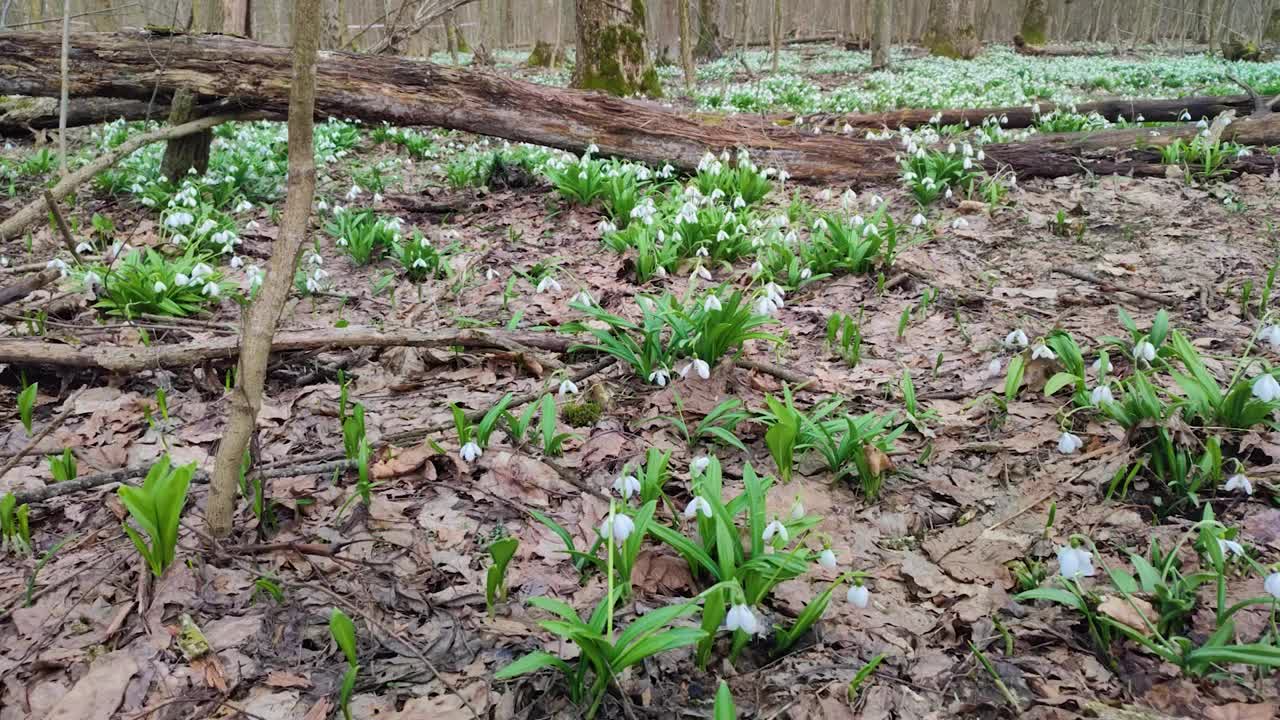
[
  {"x": 775, "y": 33},
  {"x": 881, "y": 33},
  {"x": 951, "y": 32},
  {"x": 237, "y": 18},
  {"x": 686, "y": 43},
  {"x": 612, "y": 49},
  {"x": 263, "y": 314},
  {"x": 183, "y": 155},
  {"x": 708, "y": 47},
  {"x": 1035, "y": 23}
]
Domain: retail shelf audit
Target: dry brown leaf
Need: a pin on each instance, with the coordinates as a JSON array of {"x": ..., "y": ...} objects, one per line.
[
  {"x": 282, "y": 679},
  {"x": 1130, "y": 612},
  {"x": 210, "y": 668},
  {"x": 97, "y": 695},
  {"x": 878, "y": 460},
  {"x": 403, "y": 462},
  {"x": 1244, "y": 711}
]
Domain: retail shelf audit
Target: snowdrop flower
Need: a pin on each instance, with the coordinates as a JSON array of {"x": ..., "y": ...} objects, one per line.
[
  {"x": 1265, "y": 388},
  {"x": 741, "y": 618},
  {"x": 951, "y": 148},
  {"x": 1069, "y": 443},
  {"x": 251, "y": 226},
  {"x": 181, "y": 280},
  {"x": 83, "y": 248},
  {"x": 548, "y": 284},
  {"x": 697, "y": 505},
  {"x": 470, "y": 452},
  {"x": 626, "y": 486},
  {"x": 1042, "y": 351},
  {"x": 1272, "y": 585},
  {"x": 1144, "y": 352},
  {"x": 1074, "y": 563},
  {"x": 1016, "y": 338},
  {"x": 1230, "y": 547},
  {"x": 776, "y": 528},
  {"x": 254, "y": 275},
  {"x": 419, "y": 264},
  {"x": 1097, "y": 367},
  {"x": 699, "y": 464},
  {"x": 1239, "y": 483},
  {"x": 797, "y": 509},
  {"x": 490, "y": 274},
  {"x": 604, "y": 226},
  {"x": 92, "y": 279},
  {"x": 377, "y": 197},
  {"x": 243, "y": 206},
  {"x": 805, "y": 274},
  {"x": 756, "y": 267},
  {"x": 948, "y": 194},
  {"x": 712, "y": 304},
  {"x": 179, "y": 219},
  {"x": 702, "y": 272},
  {"x": 567, "y": 387},
  {"x": 354, "y": 193},
  {"x": 765, "y": 306},
  {"x": 342, "y": 242},
  {"x": 583, "y": 298},
  {"x": 859, "y": 596},
  {"x": 211, "y": 289},
  {"x": 917, "y": 220},
  {"x": 702, "y": 251},
  {"x": 322, "y": 205},
  {"x": 993, "y": 368},
  {"x": 1203, "y": 124},
  {"x": 1101, "y": 394},
  {"x": 206, "y": 227},
  {"x": 57, "y": 264},
  {"x": 619, "y": 527},
  {"x": 659, "y": 377},
  {"x": 700, "y": 367},
  {"x": 958, "y": 223},
  {"x": 159, "y": 287},
  {"x": 827, "y": 559},
  {"x": 237, "y": 261}
]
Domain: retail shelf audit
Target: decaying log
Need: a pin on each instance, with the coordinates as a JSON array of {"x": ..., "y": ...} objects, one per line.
[{"x": 408, "y": 92}]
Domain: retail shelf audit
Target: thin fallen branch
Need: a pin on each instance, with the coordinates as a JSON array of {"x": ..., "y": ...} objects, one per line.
[
  {"x": 28, "y": 285},
  {"x": 64, "y": 230},
  {"x": 1110, "y": 286},
  {"x": 49, "y": 427},
  {"x": 32, "y": 212}
]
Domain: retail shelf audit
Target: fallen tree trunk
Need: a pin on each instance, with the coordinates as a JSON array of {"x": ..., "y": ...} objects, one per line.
[
  {"x": 21, "y": 116},
  {"x": 407, "y": 92}
]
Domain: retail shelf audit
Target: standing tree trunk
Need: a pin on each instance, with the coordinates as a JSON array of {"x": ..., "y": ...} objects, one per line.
[
  {"x": 881, "y": 33},
  {"x": 775, "y": 33},
  {"x": 686, "y": 43},
  {"x": 237, "y": 18},
  {"x": 507, "y": 37},
  {"x": 1035, "y": 23},
  {"x": 951, "y": 32},
  {"x": 846, "y": 22},
  {"x": 184, "y": 155},
  {"x": 264, "y": 312},
  {"x": 708, "y": 47},
  {"x": 611, "y": 50},
  {"x": 451, "y": 37}
]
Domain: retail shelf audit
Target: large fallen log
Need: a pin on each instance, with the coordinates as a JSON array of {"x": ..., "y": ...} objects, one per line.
[
  {"x": 407, "y": 92},
  {"x": 20, "y": 116}
]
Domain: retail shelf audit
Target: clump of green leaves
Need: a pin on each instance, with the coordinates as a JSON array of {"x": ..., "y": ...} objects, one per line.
[
  {"x": 146, "y": 282},
  {"x": 15, "y": 528},
  {"x": 420, "y": 259},
  {"x": 844, "y": 337},
  {"x": 156, "y": 508},
  {"x": 362, "y": 235},
  {"x": 495, "y": 584},
  {"x": 27, "y": 404},
  {"x": 63, "y": 466}
]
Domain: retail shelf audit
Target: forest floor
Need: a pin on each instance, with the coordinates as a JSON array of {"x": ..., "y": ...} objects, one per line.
[{"x": 973, "y": 510}]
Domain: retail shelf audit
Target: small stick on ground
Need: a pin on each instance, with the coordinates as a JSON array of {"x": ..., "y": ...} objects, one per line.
[
  {"x": 49, "y": 427},
  {"x": 28, "y": 285},
  {"x": 1109, "y": 286},
  {"x": 64, "y": 231}
]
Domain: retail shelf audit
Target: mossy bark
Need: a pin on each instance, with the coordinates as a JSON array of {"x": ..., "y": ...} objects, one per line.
[
  {"x": 881, "y": 33},
  {"x": 185, "y": 154},
  {"x": 544, "y": 54},
  {"x": 951, "y": 32},
  {"x": 1035, "y": 23},
  {"x": 611, "y": 50}
]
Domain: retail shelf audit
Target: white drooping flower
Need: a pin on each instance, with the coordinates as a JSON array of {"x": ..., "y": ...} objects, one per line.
[
  {"x": 211, "y": 289},
  {"x": 626, "y": 486},
  {"x": 660, "y": 377},
  {"x": 237, "y": 261},
  {"x": 741, "y": 618},
  {"x": 1239, "y": 483},
  {"x": 1265, "y": 388},
  {"x": 1230, "y": 547},
  {"x": 181, "y": 280},
  {"x": 699, "y": 464},
  {"x": 1016, "y": 338},
  {"x": 702, "y": 272},
  {"x": 917, "y": 220},
  {"x": 1074, "y": 563},
  {"x": 1069, "y": 443},
  {"x": 1042, "y": 351},
  {"x": 700, "y": 367},
  {"x": 159, "y": 287},
  {"x": 712, "y": 304},
  {"x": 697, "y": 505},
  {"x": 1144, "y": 352},
  {"x": 1271, "y": 336},
  {"x": 797, "y": 509},
  {"x": 1101, "y": 394},
  {"x": 859, "y": 596},
  {"x": 1272, "y": 585},
  {"x": 994, "y": 367},
  {"x": 619, "y": 527},
  {"x": 548, "y": 284},
  {"x": 827, "y": 559},
  {"x": 59, "y": 265},
  {"x": 83, "y": 248},
  {"x": 567, "y": 387},
  {"x": 775, "y": 528},
  {"x": 354, "y": 193},
  {"x": 470, "y": 452}
]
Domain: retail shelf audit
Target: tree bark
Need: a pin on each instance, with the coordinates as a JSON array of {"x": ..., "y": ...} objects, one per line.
[
  {"x": 951, "y": 32},
  {"x": 237, "y": 18},
  {"x": 881, "y": 33},
  {"x": 775, "y": 33},
  {"x": 264, "y": 312},
  {"x": 708, "y": 47},
  {"x": 1035, "y": 23},
  {"x": 408, "y": 93},
  {"x": 190, "y": 153},
  {"x": 612, "y": 50},
  {"x": 686, "y": 43}
]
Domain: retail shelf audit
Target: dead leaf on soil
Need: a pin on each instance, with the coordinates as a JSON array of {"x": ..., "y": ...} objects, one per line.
[{"x": 97, "y": 695}]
